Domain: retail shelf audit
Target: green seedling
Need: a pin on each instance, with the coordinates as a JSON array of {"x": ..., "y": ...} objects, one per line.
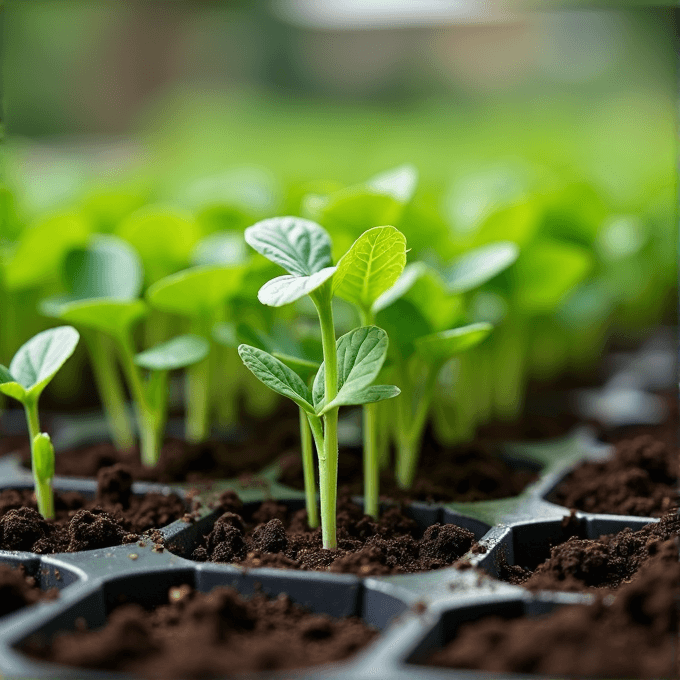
[
  {"x": 107, "y": 268},
  {"x": 199, "y": 294},
  {"x": 350, "y": 366},
  {"x": 117, "y": 320},
  {"x": 367, "y": 270},
  {"x": 30, "y": 371}
]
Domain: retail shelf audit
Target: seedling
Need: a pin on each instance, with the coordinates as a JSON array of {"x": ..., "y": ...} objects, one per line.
[
  {"x": 369, "y": 268},
  {"x": 350, "y": 366},
  {"x": 117, "y": 320},
  {"x": 200, "y": 294},
  {"x": 107, "y": 268},
  {"x": 30, "y": 371}
]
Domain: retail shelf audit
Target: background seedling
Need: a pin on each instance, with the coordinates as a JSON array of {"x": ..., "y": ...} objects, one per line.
[
  {"x": 303, "y": 248},
  {"x": 199, "y": 294},
  {"x": 30, "y": 371},
  {"x": 107, "y": 268},
  {"x": 369, "y": 268}
]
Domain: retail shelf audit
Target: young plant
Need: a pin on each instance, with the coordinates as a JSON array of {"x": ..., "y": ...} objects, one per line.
[
  {"x": 369, "y": 268},
  {"x": 117, "y": 320},
  {"x": 30, "y": 371},
  {"x": 350, "y": 366},
  {"x": 106, "y": 268},
  {"x": 199, "y": 294}
]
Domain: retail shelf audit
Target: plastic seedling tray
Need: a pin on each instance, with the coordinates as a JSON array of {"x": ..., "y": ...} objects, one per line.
[{"x": 417, "y": 612}]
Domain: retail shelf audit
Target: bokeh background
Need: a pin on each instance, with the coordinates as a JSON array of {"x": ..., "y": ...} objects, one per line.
[{"x": 229, "y": 112}]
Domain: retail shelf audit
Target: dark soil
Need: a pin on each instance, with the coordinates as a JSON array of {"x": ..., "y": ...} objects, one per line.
[
  {"x": 274, "y": 536},
  {"x": 472, "y": 472},
  {"x": 115, "y": 516},
  {"x": 609, "y": 562},
  {"x": 180, "y": 461},
  {"x": 632, "y": 634},
  {"x": 207, "y": 636},
  {"x": 17, "y": 590},
  {"x": 640, "y": 478}
]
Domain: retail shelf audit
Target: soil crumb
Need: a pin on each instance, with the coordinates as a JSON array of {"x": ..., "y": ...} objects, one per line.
[
  {"x": 199, "y": 635},
  {"x": 631, "y": 634},
  {"x": 609, "y": 562},
  {"x": 640, "y": 479},
  {"x": 115, "y": 516},
  {"x": 274, "y": 536}
]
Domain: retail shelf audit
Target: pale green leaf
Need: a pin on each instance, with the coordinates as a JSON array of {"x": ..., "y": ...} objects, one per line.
[
  {"x": 300, "y": 246},
  {"x": 361, "y": 354},
  {"x": 164, "y": 239},
  {"x": 276, "y": 375},
  {"x": 37, "y": 361},
  {"x": 402, "y": 285},
  {"x": 480, "y": 265},
  {"x": 399, "y": 183},
  {"x": 371, "y": 266},
  {"x": 198, "y": 291},
  {"x": 179, "y": 352},
  {"x": 286, "y": 289},
  {"x": 440, "y": 347},
  {"x": 224, "y": 247},
  {"x": 108, "y": 267},
  {"x": 305, "y": 368},
  {"x": 112, "y": 317}
]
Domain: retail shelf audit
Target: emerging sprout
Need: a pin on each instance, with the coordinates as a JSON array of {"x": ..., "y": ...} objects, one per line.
[{"x": 30, "y": 371}]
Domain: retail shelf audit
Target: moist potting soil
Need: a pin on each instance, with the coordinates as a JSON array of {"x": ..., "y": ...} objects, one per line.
[{"x": 198, "y": 635}]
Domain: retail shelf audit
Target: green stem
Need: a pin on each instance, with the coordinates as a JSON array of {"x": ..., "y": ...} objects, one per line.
[
  {"x": 328, "y": 459},
  {"x": 146, "y": 418},
  {"x": 409, "y": 441},
  {"x": 110, "y": 389},
  {"x": 198, "y": 391},
  {"x": 43, "y": 487},
  {"x": 370, "y": 435},
  {"x": 308, "y": 471}
]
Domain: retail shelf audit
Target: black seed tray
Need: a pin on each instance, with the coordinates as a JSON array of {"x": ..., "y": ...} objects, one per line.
[{"x": 417, "y": 612}]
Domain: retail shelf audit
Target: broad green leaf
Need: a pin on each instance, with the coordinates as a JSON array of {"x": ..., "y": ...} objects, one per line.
[
  {"x": 163, "y": 238},
  {"x": 430, "y": 294},
  {"x": 367, "y": 395},
  {"x": 286, "y": 289},
  {"x": 198, "y": 291},
  {"x": 305, "y": 368},
  {"x": 399, "y": 183},
  {"x": 300, "y": 246},
  {"x": 113, "y": 317},
  {"x": 109, "y": 267},
  {"x": 14, "y": 390},
  {"x": 224, "y": 247},
  {"x": 517, "y": 223},
  {"x": 480, "y": 265},
  {"x": 361, "y": 354},
  {"x": 276, "y": 375},
  {"x": 402, "y": 285},
  {"x": 440, "y": 347},
  {"x": 547, "y": 273},
  {"x": 41, "y": 249},
  {"x": 179, "y": 352},
  {"x": 37, "y": 361},
  {"x": 371, "y": 266},
  {"x": 5, "y": 375}
]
